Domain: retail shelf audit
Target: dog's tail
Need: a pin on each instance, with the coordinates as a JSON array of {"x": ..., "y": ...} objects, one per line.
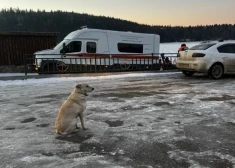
[
  {"x": 57, "y": 126},
  {"x": 61, "y": 133},
  {"x": 57, "y": 131}
]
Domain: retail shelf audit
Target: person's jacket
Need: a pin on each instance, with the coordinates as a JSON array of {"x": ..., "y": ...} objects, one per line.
[{"x": 182, "y": 48}]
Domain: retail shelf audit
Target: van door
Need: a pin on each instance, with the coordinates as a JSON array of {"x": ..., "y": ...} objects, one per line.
[{"x": 70, "y": 54}]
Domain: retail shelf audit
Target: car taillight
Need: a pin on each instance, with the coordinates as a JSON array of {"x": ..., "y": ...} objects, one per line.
[{"x": 198, "y": 55}]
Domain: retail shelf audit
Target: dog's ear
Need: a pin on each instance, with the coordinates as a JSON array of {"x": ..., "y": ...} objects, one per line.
[{"x": 78, "y": 86}]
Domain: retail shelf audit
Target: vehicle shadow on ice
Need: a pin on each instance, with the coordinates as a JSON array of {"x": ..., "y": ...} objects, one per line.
[{"x": 206, "y": 76}]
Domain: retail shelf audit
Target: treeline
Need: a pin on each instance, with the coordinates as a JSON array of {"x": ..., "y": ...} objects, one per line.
[{"x": 65, "y": 22}]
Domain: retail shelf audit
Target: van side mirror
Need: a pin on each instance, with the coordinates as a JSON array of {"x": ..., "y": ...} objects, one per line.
[{"x": 64, "y": 48}]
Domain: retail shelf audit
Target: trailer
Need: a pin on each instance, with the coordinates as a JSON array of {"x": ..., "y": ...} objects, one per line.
[{"x": 113, "y": 48}]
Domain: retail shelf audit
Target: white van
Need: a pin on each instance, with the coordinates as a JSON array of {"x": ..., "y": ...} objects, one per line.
[{"x": 83, "y": 46}]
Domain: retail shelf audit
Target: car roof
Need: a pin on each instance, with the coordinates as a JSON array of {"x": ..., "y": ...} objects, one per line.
[
  {"x": 217, "y": 42},
  {"x": 210, "y": 45}
]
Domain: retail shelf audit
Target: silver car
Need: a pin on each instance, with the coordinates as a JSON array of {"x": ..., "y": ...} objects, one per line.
[{"x": 214, "y": 58}]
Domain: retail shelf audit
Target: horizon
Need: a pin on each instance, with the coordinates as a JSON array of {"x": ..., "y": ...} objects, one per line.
[
  {"x": 115, "y": 17},
  {"x": 150, "y": 12}
]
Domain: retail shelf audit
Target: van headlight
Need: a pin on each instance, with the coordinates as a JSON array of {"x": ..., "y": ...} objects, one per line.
[{"x": 38, "y": 62}]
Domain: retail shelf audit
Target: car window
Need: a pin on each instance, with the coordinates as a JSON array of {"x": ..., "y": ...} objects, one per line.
[
  {"x": 202, "y": 46},
  {"x": 91, "y": 47},
  {"x": 228, "y": 48},
  {"x": 74, "y": 46}
]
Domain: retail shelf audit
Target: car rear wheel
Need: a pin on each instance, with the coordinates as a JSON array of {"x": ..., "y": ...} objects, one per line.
[
  {"x": 188, "y": 73},
  {"x": 216, "y": 71}
]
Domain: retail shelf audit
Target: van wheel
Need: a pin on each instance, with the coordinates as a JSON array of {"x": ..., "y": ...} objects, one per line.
[
  {"x": 188, "y": 73},
  {"x": 216, "y": 71},
  {"x": 61, "y": 66}
]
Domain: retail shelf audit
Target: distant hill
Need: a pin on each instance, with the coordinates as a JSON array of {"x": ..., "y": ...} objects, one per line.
[{"x": 65, "y": 22}]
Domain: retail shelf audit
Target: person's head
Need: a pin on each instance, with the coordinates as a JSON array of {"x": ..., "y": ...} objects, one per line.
[{"x": 183, "y": 45}]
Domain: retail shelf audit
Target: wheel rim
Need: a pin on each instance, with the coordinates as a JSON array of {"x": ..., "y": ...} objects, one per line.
[
  {"x": 61, "y": 66},
  {"x": 125, "y": 64},
  {"x": 217, "y": 71}
]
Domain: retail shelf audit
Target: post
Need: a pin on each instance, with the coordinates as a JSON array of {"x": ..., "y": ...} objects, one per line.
[
  {"x": 163, "y": 61},
  {"x": 95, "y": 63},
  {"x": 152, "y": 62},
  {"x": 163, "y": 58},
  {"x": 25, "y": 65}
]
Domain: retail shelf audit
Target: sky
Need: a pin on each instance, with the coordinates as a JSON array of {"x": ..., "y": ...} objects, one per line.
[{"x": 151, "y": 12}]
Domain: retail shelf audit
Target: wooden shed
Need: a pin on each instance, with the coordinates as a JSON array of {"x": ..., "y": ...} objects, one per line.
[{"x": 15, "y": 45}]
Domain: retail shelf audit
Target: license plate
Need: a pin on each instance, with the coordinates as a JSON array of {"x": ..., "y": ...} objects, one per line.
[{"x": 184, "y": 65}]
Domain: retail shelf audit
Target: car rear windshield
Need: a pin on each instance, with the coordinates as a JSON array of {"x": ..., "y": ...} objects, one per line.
[{"x": 202, "y": 46}]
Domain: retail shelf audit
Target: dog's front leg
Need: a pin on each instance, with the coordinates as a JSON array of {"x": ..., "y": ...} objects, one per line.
[
  {"x": 82, "y": 121},
  {"x": 77, "y": 127}
]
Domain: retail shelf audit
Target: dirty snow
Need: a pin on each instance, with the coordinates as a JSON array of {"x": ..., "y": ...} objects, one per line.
[{"x": 133, "y": 120}]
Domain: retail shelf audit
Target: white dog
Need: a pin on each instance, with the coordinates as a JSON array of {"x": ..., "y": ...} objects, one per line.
[{"x": 73, "y": 107}]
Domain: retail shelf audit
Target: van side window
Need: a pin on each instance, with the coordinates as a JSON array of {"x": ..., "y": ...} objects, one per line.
[
  {"x": 91, "y": 47},
  {"x": 130, "y": 48},
  {"x": 230, "y": 48},
  {"x": 74, "y": 46}
]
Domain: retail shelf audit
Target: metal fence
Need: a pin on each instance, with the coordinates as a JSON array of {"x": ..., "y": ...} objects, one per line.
[{"x": 85, "y": 63}]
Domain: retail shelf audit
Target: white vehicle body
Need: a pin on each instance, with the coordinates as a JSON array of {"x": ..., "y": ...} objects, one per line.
[
  {"x": 213, "y": 58},
  {"x": 86, "y": 43}
]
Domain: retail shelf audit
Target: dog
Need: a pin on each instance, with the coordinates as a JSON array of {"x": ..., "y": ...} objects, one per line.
[{"x": 71, "y": 109}]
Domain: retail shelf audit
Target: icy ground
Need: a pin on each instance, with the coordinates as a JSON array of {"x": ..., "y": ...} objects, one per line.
[{"x": 133, "y": 120}]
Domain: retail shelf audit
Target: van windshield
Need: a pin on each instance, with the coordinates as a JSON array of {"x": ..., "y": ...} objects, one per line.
[{"x": 60, "y": 45}]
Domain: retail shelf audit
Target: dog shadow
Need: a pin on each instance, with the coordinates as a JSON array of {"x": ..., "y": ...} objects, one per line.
[{"x": 78, "y": 137}]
